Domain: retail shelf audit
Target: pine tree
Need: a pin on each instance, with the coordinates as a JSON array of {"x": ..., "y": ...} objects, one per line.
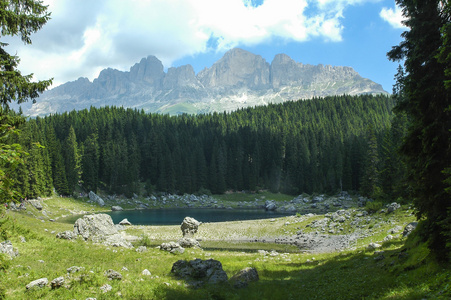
[
  {"x": 426, "y": 102},
  {"x": 72, "y": 160},
  {"x": 17, "y": 18}
]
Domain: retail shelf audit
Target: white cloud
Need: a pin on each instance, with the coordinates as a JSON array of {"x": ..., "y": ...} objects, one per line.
[
  {"x": 393, "y": 16},
  {"x": 85, "y": 36}
]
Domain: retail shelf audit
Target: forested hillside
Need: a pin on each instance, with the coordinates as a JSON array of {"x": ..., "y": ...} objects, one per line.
[{"x": 321, "y": 145}]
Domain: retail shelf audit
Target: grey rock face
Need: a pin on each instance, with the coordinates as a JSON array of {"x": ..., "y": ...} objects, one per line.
[
  {"x": 237, "y": 68},
  {"x": 239, "y": 79},
  {"x": 189, "y": 226},
  {"x": 199, "y": 272}
]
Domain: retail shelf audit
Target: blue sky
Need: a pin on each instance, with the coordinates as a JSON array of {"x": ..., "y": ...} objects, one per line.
[{"x": 84, "y": 36}]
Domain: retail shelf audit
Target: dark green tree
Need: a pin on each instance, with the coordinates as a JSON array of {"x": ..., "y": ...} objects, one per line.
[
  {"x": 72, "y": 160},
  {"x": 426, "y": 102},
  {"x": 17, "y": 18}
]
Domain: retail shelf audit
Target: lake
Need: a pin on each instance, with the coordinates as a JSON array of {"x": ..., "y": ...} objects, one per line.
[{"x": 175, "y": 216}]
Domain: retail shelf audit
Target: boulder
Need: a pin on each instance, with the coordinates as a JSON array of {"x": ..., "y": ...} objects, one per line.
[
  {"x": 146, "y": 272},
  {"x": 93, "y": 197},
  {"x": 74, "y": 269},
  {"x": 141, "y": 249},
  {"x": 125, "y": 222},
  {"x": 172, "y": 247},
  {"x": 392, "y": 207},
  {"x": 243, "y": 277},
  {"x": 36, "y": 203},
  {"x": 99, "y": 228},
  {"x": 187, "y": 242},
  {"x": 409, "y": 228},
  {"x": 90, "y": 226},
  {"x": 106, "y": 288},
  {"x": 111, "y": 274},
  {"x": 57, "y": 282},
  {"x": 116, "y": 208},
  {"x": 270, "y": 205},
  {"x": 7, "y": 248},
  {"x": 198, "y": 272},
  {"x": 373, "y": 246},
  {"x": 189, "y": 226},
  {"x": 38, "y": 283},
  {"x": 66, "y": 235}
]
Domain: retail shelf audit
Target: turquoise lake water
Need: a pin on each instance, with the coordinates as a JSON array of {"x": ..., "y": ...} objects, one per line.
[{"x": 175, "y": 216}]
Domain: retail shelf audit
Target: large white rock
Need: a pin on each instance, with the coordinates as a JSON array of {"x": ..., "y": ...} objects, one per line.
[{"x": 90, "y": 226}]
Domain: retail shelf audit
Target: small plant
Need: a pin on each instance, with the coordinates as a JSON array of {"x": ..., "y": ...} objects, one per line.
[
  {"x": 373, "y": 206},
  {"x": 144, "y": 241}
]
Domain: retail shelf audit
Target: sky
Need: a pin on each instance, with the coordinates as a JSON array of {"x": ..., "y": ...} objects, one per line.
[{"x": 84, "y": 37}]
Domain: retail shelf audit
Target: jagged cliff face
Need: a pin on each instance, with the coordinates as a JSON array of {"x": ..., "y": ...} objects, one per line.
[{"x": 237, "y": 80}]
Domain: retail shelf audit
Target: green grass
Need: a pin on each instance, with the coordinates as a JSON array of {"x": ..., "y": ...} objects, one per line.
[{"x": 407, "y": 271}]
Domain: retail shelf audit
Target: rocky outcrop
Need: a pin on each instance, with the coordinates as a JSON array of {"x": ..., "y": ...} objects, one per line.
[
  {"x": 66, "y": 235},
  {"x": 187, "y": 242},
  {"x": 409, "y": 228},
  {"x": 199, "y": 272},
  {"x": 95, "y": 198},
  {"x": 244, "y": 277},
  {"x": 125, "y": 222},
  {"x": 189, "y": 226},
  {"x": 99, "y": 228},
  {"x": 239, "y": 79},
  {"x": 7, "y": 248},
  {"x": 172, "y": 247},
  {"x": 36, "y": 204},
  {"x": 38, "y": 283}
]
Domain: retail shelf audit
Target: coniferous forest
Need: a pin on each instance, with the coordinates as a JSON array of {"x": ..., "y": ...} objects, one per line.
[{"x": 322, "y": 145}]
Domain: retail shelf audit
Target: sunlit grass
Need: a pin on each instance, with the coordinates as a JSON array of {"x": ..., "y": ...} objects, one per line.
[{"x": 406, "y": 271}]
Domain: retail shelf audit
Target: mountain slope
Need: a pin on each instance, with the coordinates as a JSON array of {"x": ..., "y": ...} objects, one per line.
[{"x": 239, "y": 79}]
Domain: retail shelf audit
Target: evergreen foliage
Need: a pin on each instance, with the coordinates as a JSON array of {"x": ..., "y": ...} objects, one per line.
[
  {"x": 425, "y": 99},
  {"x": 311, "y": 146},
  {"x": 17, "y": 18}
]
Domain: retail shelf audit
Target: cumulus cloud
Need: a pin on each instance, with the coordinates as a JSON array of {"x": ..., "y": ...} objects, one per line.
[
  {"x": 393, "y": 16},
  {"x": 85, "y": 36}
]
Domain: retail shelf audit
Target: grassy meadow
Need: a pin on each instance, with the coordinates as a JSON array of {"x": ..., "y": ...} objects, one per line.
[{"x": 405, "y": 269}]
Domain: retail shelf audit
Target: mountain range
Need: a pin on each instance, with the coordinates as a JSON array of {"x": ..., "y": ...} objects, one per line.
[{"x": 239, "y": 79}]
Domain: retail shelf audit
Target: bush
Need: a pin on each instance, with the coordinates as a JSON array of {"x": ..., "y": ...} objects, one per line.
[
  {"x": 144, "y": 241},
  {"x": 373, "y": 206}
]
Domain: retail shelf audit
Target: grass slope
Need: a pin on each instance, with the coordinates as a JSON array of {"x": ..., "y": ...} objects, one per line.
[{"x": 406, "y": 270}]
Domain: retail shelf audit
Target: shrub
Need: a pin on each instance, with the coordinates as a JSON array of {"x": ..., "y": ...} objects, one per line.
[{"x": 373, "y": 206}]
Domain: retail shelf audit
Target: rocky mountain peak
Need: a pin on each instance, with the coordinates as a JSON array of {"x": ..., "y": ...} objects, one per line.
[
  {"x": 239, "y": 79},
  {"x": 149, "y": 70},
  {"x": 237, "y": 68}
]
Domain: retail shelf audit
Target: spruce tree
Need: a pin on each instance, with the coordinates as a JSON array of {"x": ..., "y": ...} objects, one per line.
[
  {"x": 17, "y": 18},
  {"x": 426, "y": 102}
]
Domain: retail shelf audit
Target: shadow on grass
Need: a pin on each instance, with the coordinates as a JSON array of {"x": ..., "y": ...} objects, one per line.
[{"x": 362, "y": 275}]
